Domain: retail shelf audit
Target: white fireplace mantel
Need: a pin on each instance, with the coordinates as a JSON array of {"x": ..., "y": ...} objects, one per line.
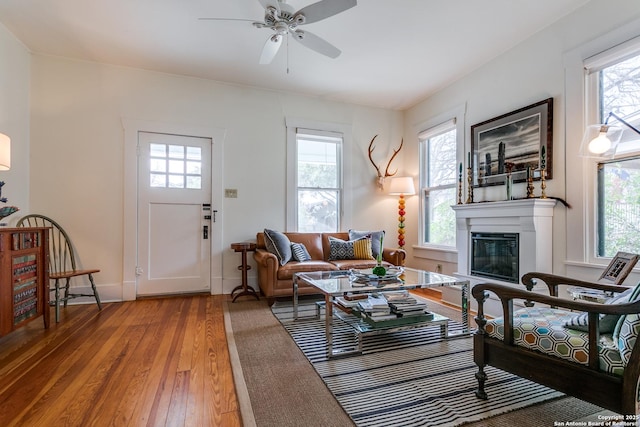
[{"x": 532, "y": 219}]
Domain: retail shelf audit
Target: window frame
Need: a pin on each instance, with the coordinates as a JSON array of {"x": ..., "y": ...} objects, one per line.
[
  {"x": 593, "y": 114},
  {"x": 457, "y": 119},
  {"x": 344, "y": 177}
]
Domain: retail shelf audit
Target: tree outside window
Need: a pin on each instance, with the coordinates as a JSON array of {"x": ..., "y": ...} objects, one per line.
[
  {"x": 318, "y": 183},
  {"x": 438, "y": 182},
  {"x": 618, "y": 205}
]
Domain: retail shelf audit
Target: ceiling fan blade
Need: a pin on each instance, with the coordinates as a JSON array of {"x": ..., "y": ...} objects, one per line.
[
  {"x": 225, "y": 19},
  {"x": 270, "y": 48},
  {"x": 314, "y": 42},
  {"x": 324, "y": 9},
  {"x": 273, "y": 3}
]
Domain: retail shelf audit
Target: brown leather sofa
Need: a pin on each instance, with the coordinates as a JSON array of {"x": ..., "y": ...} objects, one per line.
[{"x": 276, "y": 280}]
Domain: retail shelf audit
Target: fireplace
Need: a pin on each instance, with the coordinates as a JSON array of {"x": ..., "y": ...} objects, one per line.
[
  {"x": 495, "y": 256},
  {"x": 493, "y": 224},
  {"x": 488, "y": 228}
]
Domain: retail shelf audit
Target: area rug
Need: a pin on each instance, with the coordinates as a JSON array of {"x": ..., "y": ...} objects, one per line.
[{"x": 409, "y": 378}]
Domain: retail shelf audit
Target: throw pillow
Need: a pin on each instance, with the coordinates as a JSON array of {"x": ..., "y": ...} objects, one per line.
[
  {"x": 635, "y": 293},
  {"x": 376, "y": 247},
  {"x": 580, "y": 322},
  {"x": 352, "y": 249},
  {"x": 278, "y": 244},
  {"x": 628, "y": 334},
  {"x": 300, "y": 252}
]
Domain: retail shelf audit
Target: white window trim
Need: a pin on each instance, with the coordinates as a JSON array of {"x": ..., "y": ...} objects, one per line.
[
  {"x": 459, "y": 115},
  {"x": 580, "y": 171},
  {"x": 292, "y": 125}
]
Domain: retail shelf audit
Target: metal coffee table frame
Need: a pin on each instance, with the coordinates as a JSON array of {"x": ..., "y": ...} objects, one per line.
[{"x": 336, "y": 283}]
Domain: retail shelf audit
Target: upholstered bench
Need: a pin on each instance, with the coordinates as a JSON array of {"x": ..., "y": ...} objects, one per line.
[{"x": 549, "y": 340}]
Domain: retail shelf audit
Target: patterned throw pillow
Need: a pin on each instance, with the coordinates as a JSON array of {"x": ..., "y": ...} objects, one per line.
[
  {"x": 300, "y": 252},
  {"x": 635, "y": 293},
  {"x": 628, "y": 334},
  {"x": 626, "y": 331},
  {"x": 278, "y": 244},
  {"x": 352, "y": 249},
  {"x": 607, "y": 322},
  {"x": 376, "y": 248}
]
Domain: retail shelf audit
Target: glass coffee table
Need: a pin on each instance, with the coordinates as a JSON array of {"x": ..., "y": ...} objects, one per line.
[{"x": 335, "y": 284}]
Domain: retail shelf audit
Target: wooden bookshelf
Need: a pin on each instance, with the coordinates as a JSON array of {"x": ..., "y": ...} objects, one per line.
[{"x": 24, "y": 277}]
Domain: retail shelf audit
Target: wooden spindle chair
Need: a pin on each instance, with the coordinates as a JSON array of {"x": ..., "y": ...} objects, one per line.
[{"x": 62, "y": 262}]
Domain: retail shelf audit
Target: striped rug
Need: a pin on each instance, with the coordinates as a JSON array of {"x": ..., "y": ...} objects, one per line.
[{"x": 409, "y": 378}]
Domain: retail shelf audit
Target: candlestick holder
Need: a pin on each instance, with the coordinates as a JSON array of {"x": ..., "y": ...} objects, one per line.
[
  {"x": 470, "y": 186},
  {"x": 543, "y": 183},
  {"x": 460, "y": 190},
  {"x": 530, "y": 188}
]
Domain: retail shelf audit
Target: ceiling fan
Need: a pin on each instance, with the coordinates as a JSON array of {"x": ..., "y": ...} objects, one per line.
[{"x": 283, "y": 21}]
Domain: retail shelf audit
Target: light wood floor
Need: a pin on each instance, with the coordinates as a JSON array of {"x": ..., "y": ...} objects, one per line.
[{"x": 149, "y": 362}]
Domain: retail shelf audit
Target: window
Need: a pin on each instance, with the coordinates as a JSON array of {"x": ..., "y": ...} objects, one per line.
[
  {"x": 614, "y": 81},
  {"x": 438, "y": 145},
  {"x": 175, "y": 166},
  {"x": 318, "y": 180}
]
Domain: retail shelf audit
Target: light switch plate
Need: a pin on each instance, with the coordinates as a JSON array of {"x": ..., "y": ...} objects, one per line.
[{"x": 231, "y": 193}]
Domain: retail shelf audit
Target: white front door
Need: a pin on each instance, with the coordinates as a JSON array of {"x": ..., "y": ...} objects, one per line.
[{"x": 174, "y": 214}]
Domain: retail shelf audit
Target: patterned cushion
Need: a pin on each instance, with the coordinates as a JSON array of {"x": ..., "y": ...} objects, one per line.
[
  {"x": 376, "y": 236},
  {"x": 542, "y": 329},
  {"x": 278, "y": 244},
  {"x": 607, "y": 322},
  {"x": 628, "y": 334},
  {"x": 352, "y": 249},
  {"x": 635, "y": 293},
  {"x": 299, "y": 252}
]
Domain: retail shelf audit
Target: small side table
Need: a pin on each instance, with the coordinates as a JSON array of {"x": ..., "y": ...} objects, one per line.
[{"x": 243, "y": 289}]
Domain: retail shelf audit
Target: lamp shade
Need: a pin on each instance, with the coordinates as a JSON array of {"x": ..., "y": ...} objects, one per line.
[
  {"x": 401, "y": 185},
  {"x": 5, "y": 152},
  {"x": 600, "y": 141}
]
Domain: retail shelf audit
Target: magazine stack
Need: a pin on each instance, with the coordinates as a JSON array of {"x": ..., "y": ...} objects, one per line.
[{"x": 403, "y": 304}]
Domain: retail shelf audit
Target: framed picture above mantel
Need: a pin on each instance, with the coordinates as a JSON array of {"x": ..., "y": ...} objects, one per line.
[{"x": 521, "y": 140}]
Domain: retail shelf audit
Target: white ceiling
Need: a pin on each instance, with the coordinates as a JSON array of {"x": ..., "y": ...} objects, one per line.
[{"x": 394, "y": 53}]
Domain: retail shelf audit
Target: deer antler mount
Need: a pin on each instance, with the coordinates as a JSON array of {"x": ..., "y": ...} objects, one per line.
[{"x": 380, "y": 179}]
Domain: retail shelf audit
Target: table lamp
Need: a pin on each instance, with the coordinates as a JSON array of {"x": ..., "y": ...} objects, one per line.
[{"x": 5, "y": 152}]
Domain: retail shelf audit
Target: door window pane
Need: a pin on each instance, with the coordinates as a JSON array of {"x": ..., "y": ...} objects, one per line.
[{"x": 175, "y": 166}]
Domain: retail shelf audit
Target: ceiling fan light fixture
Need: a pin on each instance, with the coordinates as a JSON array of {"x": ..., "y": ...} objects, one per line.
[
  {"x": 299, "y": 19},
  {"x": 281, "y": 28},
  {"x": 271, "y": 14}
]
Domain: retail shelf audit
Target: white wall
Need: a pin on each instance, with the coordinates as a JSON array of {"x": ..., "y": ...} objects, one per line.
[
  {"x": 14, "y": 119},
  {"x": 65, "y": 121},
  {"x": 531, "y": 72},
  {"x": 77, "y": 152}
]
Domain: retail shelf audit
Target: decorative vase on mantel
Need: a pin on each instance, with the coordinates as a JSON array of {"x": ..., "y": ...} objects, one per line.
[{"x": 508, "y": 180}]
